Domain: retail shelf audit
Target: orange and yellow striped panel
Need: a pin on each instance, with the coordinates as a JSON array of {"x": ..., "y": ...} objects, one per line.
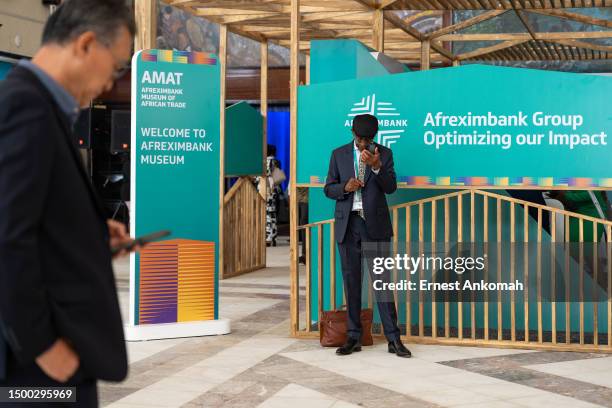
[{"x": 177, "y": 282}]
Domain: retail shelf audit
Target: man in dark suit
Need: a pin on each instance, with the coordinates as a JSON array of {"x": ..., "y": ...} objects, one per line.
[
  {"x": 359, "y": 180},
  {"x": 59, "y": 312}
]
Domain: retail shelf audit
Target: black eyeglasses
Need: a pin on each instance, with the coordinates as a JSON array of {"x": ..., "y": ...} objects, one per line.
[{"x": 120, "y": 72}]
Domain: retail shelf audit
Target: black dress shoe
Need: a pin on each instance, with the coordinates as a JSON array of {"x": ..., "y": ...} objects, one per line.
[
  {"x": 348, "y": 347},
  {"x": 399, "y": 349}
]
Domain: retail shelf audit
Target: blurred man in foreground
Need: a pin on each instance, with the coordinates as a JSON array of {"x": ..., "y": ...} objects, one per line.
[{"x": 59, "y": 312}]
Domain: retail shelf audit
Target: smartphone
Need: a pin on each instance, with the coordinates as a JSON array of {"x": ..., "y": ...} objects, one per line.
[
  {"x": 141, "y": 241},
  {"x": 372, "y": 148}
]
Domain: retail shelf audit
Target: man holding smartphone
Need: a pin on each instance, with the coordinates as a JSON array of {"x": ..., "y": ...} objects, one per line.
[
  {"x": 360, "y": 175},
  {"x": 60, "y": 323}
]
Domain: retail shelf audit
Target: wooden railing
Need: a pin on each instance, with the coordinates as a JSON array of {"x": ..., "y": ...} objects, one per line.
[
  {"x": 244, "y": 229},
  {"x": 492, "y": 219}
]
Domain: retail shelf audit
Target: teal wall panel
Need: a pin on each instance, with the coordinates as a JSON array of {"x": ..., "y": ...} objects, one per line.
[
  {"x": 338, "y": 60},
  {"x": 243, "y": 140}
]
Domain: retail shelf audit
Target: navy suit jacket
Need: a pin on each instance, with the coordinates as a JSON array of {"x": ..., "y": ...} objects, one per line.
[
  {"x": 2, "y": 354},
  {"x": 56, "y": 277},
  {"x": 373, "y": 194}
]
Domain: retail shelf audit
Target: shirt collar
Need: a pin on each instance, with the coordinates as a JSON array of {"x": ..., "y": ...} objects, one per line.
[{"x": 67, "y": 103}]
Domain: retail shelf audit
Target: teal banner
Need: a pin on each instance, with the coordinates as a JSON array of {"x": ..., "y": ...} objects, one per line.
[
  {"x": 473, "y": 125},
  {"x": 244, "y": 153},
  {"x": 175, "y": 186},
  {"x": 342, "y": 59}
]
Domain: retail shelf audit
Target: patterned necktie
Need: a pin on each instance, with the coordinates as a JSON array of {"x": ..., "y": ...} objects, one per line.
[{"x": 361, "y": 177}]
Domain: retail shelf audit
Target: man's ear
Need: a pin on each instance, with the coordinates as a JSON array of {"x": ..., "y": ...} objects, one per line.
[{"x": 84, "y": 43}]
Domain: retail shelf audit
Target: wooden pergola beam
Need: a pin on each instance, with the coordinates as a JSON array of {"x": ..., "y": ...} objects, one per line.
[
  {"x": 527, "y": 36},
  {"x": 466, "y": 23},
  {"x": 585, "y": 45},
  {"x": 304, "y": 45},
  {"x": 238, "y": 18},
  {"x": 409, "y": 19},
  {"x": 329, "y": 15},
  {"x": 146, "y": 20},
  {"x": 447, "y": 5},
  {"x": 228, "y": 11},
  {"x": 525, "y": 23},
  {"x": 222, "y": 91},
  {"x": 378, "y": 30},
  {"x": 386, "y": 3},
  {"x": 399, "y": 23},
  {"x": 425, "y": 50},
  {"x": 263, "y": 20},
  {"x": 294, "y": 77},
  {"x": 488, "y": 50},
  {"x": 567, "y": 15},
  {"x": 263, "y": 104}
]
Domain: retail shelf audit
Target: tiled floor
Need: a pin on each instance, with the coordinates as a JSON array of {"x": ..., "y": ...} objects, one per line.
[{"x": 259, "y": 365}]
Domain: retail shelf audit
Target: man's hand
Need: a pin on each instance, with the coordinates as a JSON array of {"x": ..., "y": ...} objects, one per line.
[
  {"x": 59, "y": 362},
  {"x": 118, "y": 236},
  {"x": 353, "y": 185},
  {"x": 372, "y": 160}
]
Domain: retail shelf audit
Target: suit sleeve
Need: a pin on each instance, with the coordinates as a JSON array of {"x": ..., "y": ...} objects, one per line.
[
  {"x": 386, "y": 178},
  {"x": 334, "y": 188},
  {"x": 26, "y": 161}
]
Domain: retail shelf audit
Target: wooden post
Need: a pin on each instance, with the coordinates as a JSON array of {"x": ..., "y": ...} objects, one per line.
[
  {"x": 378, "y": 30},
  {"x": 146, "y": 20},
  {"x": 223, "y": 66},
  {"x": 307, "y": 69},
  {"x": 293, "y": 215},
  {"x": 425, "y": 46},
  {"x": 264, "y": 115}
]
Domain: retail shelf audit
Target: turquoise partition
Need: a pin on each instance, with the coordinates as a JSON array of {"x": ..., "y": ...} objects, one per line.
[
  {"x": 243, "y": 140},
  {"x": 339, "y": 91},
  {"x": 337, "y": 60}
]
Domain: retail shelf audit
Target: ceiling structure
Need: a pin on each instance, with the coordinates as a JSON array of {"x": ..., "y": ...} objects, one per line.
[{"x": 390, "y": 25}]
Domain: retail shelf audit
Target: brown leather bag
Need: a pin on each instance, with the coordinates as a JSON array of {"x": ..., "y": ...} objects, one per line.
[{"x": 333, "y": 328}]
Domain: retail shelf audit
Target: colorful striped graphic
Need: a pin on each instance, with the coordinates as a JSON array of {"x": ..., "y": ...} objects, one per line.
[
  {"x": 578, "y": 182},
  {"x": 177, "y": 282},
  {"x": 315, "y": 179},
  {"x": 179, "y": 57}
]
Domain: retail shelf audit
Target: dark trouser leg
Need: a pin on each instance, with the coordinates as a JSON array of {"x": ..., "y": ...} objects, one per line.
[
  {"x": 350, "y": 256},
  {"x": 384, "y": 300},
  {"x": 388, "y": 316}
]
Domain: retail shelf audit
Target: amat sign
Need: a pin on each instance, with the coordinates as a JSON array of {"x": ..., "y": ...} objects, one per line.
[{"x": 175, "y": 186}]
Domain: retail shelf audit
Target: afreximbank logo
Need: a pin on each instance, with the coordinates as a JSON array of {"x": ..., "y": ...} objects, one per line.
[{"x": 390, "y": 124}]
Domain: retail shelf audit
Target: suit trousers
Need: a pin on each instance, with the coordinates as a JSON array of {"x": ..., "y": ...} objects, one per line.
[
  {"x": 3, "y": 354},
  {"x": 19, "y": 376},
  {"x": 351, "y": 255}
]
